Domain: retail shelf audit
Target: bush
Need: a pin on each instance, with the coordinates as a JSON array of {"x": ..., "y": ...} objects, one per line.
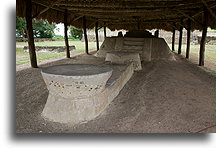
[
  {"x": 75, "y": 33},
  {"x": 41, "y": 28},
  {"x": 58, "y": 37}
]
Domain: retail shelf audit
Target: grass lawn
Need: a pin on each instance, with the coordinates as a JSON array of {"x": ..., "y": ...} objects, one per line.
[
  {"x": 23, "y": 57},
  {"x": 210, "y": 55}
]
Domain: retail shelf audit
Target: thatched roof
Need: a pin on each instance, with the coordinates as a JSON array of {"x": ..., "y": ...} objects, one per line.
[{"x": 124, "y": 14}]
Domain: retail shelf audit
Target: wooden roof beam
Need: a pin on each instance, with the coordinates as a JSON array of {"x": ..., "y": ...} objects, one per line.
[
  {"x": 135, "y": 21},
  {"x": 46, "y": 5},
  {"x": 44, "y": 10},
  {"x": 209, "y": 10},
  {"x": 189, "y": 17},
  {"x": 121, "y": 4}
]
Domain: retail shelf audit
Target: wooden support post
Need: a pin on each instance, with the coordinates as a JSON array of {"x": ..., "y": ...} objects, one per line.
[
  {"x": 65, "y": 34},
  {"x": 188, "y": 38},
  {"x": 180, "y": 37},
  {"x": 104, "y": 30},
  {"x": 28, "y": 16},
  {"x": 156, "y": 33},
  {"x": 173, "y": 40},
  {"x": 85, "y": 35},
  {"x": 203, "y": 39},
  {"x": 96, "y": 35}
]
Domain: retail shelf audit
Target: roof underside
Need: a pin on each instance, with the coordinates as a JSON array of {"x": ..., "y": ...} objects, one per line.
[{"x": 124, "y": 14}]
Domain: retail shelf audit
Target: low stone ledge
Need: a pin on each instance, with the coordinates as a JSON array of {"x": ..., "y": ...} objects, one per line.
[
  {"x": 122, "y": 57},
  {"x": 50, "y": 48}
]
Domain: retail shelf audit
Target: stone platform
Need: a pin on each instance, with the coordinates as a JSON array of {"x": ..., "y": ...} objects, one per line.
[
  {"x": 148, "y": 48},
  {"x": 121, "y": 57},
  {"x": 50, "y": 48},
  {"x": 80, "y": 92}
]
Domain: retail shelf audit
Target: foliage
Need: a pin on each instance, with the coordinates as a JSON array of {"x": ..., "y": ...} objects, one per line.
[
  {"x": 75, "y": 33},
  {"x": 41, "y": 28},
  {"x": 58, "y": 37},
  {"x": 20, "y": 27}
]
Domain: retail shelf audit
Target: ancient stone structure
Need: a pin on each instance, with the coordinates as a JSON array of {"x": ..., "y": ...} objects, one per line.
[
  {"x": 148, "y": 48},
  {"x": 80, "y": 92},
  {"x": 121, "y": 57},
  {"x": 50, "y": 48}
]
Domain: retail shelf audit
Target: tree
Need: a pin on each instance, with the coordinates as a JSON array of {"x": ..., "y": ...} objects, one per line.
[
  {"x": 76, "y": 33},
  {"x": 20, "y": 27},
  {"x": 41, "y": 28}
]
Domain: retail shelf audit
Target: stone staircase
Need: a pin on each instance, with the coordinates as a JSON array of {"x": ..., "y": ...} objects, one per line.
[
  {"x": 148, "y": 48},
  {"x": 137, "y": 45},
  {"x": 134, "y": 44}
]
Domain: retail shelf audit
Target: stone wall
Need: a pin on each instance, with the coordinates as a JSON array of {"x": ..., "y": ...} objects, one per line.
[
  {"x": 35, "y": 39},
  {"x": 50, "y": 48}
]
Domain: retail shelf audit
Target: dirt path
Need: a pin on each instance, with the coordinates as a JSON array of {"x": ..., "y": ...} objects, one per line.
[{"x": 165, "y": 97}]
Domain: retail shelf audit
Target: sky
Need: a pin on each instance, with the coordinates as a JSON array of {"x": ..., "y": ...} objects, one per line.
[{"x": 59, "y": 30}]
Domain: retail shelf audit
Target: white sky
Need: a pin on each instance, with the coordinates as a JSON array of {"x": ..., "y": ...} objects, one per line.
[{"x": 59, "y": 30}]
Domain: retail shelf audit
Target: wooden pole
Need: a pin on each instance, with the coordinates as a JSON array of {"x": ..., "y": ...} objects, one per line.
[
  {"x": 173, "y": 40},
  {"x": 180, "y": 37},
  {"x": 96, "y": 34},
  {"x": 156, "y": 33},
  {"x": 85, "y": 35},
  {"x": 188, "y": 38},
  {"x": 28, "y": 16},
  {"x": 203, "y": 39},
  {"x": 104, "y": 30},
  {"x": 65, "y": 35}
]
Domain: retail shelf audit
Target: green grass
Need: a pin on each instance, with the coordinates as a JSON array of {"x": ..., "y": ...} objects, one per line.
[
  {"x": 210, "y": 54},
  {"x": 210, "y": 50},
  {"x": 23, "y": 57}
]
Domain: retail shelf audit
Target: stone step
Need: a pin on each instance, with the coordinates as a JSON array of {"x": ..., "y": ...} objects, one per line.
[
  {"x": 126, "y": 47},
  {"x": 133, "y": 43},
  {"x": 134, "y": 39}
]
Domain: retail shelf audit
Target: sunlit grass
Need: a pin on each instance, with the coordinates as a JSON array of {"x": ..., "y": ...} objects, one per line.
[
  {"x": 210, "y": 50},
  {"x": 23, "y": 57},
  {"x": 210, "y": 54}
]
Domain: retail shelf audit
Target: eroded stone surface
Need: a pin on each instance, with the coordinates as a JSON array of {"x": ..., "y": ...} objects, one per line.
[
  {"x": 65, "y": 108},
  {"x": 122, "y": 57},
  {"x": 76, "y": 80},
  {"x": 148, "y": 48}
]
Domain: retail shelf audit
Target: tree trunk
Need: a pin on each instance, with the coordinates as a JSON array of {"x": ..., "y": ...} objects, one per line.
[
  {"x": 203, "y": 39},
  {"x": 65, "y": 35},
  {"x": 173, "y": 40},
  {"x": 28, "y": 16},
  {"x": 23, "y": 34},
  {"x": 96, "y": 34},
  {"x": 180, "y": 38},
  {"x": 188, "y": 38},
  {"x": 85, "y": 35}
]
